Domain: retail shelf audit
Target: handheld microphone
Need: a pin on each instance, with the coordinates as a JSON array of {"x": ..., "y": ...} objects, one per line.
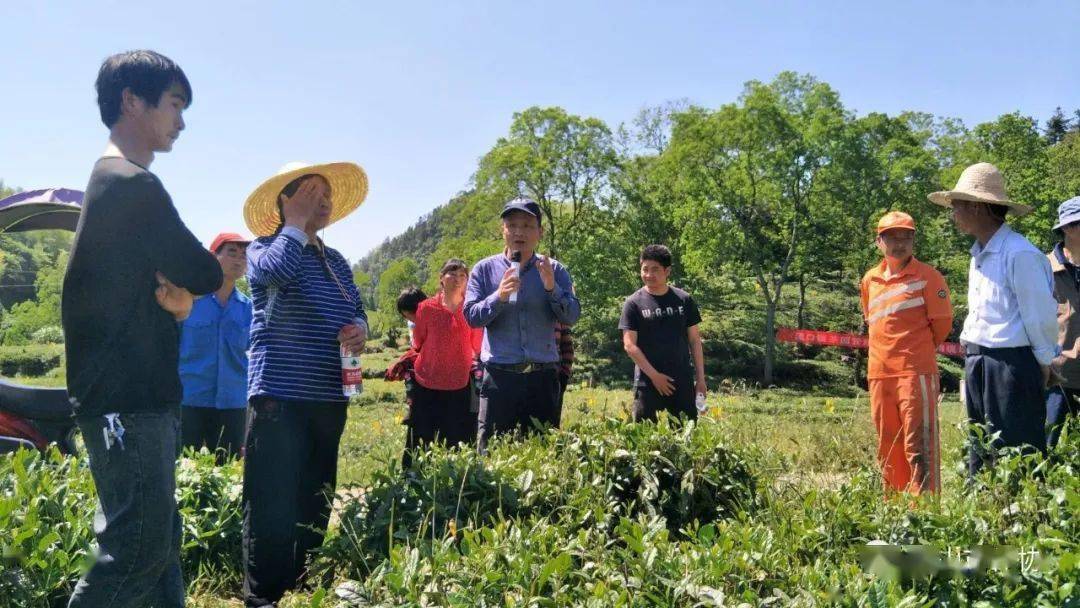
[{"x": 515, "y": 263}]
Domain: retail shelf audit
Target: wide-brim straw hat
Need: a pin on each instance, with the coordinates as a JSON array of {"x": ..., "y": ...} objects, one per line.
[
  {"x": 980, "y": 183},
  {"x": 348, "y": 189}
]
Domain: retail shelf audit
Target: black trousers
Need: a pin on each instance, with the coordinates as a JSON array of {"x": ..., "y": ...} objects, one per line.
[
  {"x": 1061, "y": 404},
  {"x": 1005, "y": 394},
  {"x": 290, "y": 473},
  {"x": 564, "y": 381},
  {"x": 647, "y": 401},
  {"x": 436, "y": 415},
  {"x": 511, "y": 402},
  {"x": 221, "y": 431}
]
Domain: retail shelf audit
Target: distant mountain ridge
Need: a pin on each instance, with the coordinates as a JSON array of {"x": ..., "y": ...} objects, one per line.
[{"x": 467, "y": 218}]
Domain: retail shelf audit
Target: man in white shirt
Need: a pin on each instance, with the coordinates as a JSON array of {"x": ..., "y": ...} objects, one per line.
[{"x": 1010, "y": 332}]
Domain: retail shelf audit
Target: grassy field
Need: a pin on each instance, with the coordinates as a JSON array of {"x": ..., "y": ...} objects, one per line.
[{"x": 801, "y": 433}]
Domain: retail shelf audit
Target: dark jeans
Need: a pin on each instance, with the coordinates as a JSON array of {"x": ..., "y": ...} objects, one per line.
[
  {"x": 137, "y": 525},
  {"x": 510, "y": 401},
  {"x": 221, "y": 431},
  {"x": 290, "y": 473},
  {"x": 1061, "y": 404},
  {"x": 1004, "y": 394},
  {"x": 647, "y": 401},
  {"x": 436, "y": 415}
]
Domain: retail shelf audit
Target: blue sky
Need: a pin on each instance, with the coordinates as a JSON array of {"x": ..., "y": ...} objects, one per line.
[{"x": 417, "y": 92}]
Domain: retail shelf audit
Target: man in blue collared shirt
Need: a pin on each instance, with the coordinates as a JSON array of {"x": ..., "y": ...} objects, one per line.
[
  {"x": 517, "y": 296},
  {"x": 1010, "y": 332},
  {"x": 213, "y": 358}
]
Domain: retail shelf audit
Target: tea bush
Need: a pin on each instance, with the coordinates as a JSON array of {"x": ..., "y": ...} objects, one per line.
[
  {"x": 47, "y": 504},
  {"x": 46, "y": 507},
  {"x": 586, "y": 478},
  {"x": 605, "y": 515}
]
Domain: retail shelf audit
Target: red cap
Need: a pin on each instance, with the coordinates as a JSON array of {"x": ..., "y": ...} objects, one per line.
[
  {"x": 227, "y": 237},
  {"x": 895, "y": 219}
]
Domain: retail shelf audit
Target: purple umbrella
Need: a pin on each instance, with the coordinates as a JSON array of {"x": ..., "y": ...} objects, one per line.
[{"x": 49, "y": 209}]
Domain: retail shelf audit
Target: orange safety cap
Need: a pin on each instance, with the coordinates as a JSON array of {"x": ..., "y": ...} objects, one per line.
[{"x": 895, "y": 219}]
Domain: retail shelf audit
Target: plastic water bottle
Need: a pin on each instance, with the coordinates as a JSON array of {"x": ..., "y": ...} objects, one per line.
[
  {"x": 700, "y": 403},
  {"x": 352, "y": 377}
]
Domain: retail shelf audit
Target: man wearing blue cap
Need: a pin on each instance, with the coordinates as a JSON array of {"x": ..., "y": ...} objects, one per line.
[
  {"x": 1061, "y": 401},
  {"x": 517, "y": 296}
]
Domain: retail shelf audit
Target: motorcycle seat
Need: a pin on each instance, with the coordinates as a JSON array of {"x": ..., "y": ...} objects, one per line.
[{"x": 35, "y": 402}]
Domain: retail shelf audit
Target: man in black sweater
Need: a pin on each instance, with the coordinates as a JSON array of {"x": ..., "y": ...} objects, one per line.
[{"x": 133, "y": 269}]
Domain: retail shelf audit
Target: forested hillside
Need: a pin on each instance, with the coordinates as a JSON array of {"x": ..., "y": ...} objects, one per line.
[{"x": 768, "y": 203}]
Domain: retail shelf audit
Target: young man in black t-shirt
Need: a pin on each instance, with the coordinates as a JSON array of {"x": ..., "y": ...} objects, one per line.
[
  {"x": 133, "y": 269},
  {"x": 660, "y": 332}
]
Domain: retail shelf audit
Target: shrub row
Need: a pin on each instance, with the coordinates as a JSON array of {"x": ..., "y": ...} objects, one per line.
[
  {"x": 587, "y": 478},
  {"x": 30, "y": 360},
  {"x": 570, "y": 520}
]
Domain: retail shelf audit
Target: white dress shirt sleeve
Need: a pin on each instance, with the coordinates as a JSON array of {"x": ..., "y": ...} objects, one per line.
[{"x": 1033, "y": 284}]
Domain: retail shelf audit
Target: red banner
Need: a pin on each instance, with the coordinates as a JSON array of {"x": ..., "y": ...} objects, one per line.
[{"x": 844, "y": 340}]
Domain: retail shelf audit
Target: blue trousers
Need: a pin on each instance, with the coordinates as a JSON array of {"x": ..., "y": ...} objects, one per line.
[{"x": 1005, "y": 395}]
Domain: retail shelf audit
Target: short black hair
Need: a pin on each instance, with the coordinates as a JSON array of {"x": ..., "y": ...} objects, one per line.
[
  {"x": 409, "y": 299},
  {"x": 147, "y": 73},
  {"x": 656, "y": 253}
]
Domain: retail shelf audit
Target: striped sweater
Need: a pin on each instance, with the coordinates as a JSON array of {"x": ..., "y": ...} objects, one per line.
[{"x": 298, "y": 311}]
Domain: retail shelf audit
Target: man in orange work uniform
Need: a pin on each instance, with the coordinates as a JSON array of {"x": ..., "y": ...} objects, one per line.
[{"x": 907, "y": 309}]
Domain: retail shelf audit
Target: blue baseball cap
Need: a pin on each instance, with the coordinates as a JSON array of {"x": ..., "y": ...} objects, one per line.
[
  {"x": 521, "y": 204},
  {"x": 1068, "y": 212}
]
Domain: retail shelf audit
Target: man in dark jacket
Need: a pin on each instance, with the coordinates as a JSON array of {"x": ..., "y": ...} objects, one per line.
[{"x": 133, "y": 269}]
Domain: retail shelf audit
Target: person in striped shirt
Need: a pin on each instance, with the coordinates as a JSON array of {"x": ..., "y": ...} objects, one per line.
[
  {"x": 908, "y": 313},
  {"x": 307, "y": 309}
]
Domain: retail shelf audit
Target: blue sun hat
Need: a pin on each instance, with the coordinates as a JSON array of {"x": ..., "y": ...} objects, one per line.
[{"x": 1068, "y": 212}]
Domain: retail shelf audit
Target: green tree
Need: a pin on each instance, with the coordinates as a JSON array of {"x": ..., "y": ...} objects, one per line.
[
  {"x": 27, "y": 317},
  {"x": 397, "y": 276},
  {"x": 1057, "y": 126},
  {"x": 558, "y": 159},
  {"x": 366, "y": 287},
  {"x": 748, "y": 172},
  {"x": 1064, "y": 158}
]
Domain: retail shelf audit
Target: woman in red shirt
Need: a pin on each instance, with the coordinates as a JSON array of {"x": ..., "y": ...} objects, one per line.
[{"x": 447, "y": 347}]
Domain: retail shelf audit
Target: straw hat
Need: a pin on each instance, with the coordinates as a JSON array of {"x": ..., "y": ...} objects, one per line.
[
  {"x": 981, "y": 183},
  {"x": 348, "y": 188}
]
